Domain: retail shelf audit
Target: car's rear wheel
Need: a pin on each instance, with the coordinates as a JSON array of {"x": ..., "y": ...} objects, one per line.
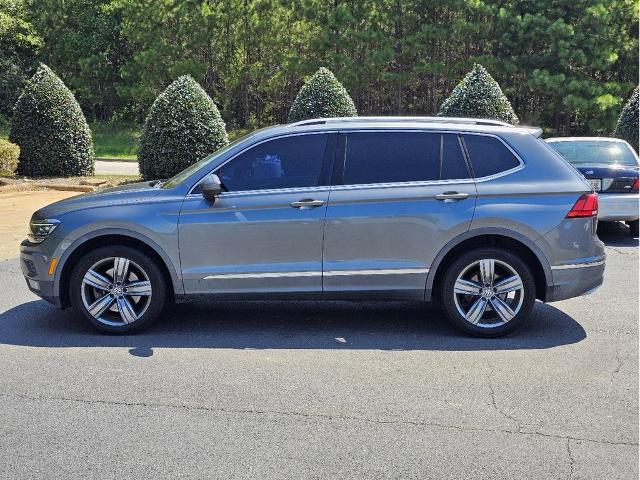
[
  {"x": 633, "y": 228},
  {"x": 117, "y": 289},
  {"x": 488, "y": 292}
]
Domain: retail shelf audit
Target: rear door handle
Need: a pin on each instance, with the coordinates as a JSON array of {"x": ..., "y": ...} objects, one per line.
[
  {"x": 307, "y": 203},
  {"x": 450, "y": 196}
]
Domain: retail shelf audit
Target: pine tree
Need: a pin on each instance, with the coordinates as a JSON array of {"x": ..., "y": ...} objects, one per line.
[
  {"x": 51, "y": 129},
  {"x": 183, "y": 126},
  {"x": 323, "y": 96},
  {"x": 478, "y": 95},
  {"x": 627, "y": 126}
]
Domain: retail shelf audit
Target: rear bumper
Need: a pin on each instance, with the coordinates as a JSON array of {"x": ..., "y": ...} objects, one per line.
[
  {"x": 574, "y": 280},
  {"x": 618, "y": 206}
]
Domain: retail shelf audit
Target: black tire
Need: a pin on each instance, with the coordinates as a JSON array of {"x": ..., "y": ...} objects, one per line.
[
  {"x": 633, "y": 228},
  {"x": 527, "y": 295},
  {"x": 139, "y": 262}
]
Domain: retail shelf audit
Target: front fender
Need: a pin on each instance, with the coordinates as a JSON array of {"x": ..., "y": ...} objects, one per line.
[{"x": 67, "y": 247}]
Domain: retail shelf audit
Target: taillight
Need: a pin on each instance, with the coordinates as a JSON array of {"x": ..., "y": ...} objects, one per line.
[
  {"x": 585, "y": 206},
  {"x": 635, "y": 187}
]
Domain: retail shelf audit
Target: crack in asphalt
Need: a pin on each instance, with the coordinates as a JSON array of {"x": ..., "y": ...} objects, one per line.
[
  {"x": 572, "y": 462},
  {"x": 205, "y": 408},
  {"x": 494, "y": 402}
]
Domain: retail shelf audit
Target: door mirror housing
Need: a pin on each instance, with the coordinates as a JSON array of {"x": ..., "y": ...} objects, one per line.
[{"x": 211, "y": 187}]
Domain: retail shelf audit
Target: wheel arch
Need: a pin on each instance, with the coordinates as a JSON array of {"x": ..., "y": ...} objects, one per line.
[
  {"x": 495, "y": 237},
  {"x": 110, "y": 238}
]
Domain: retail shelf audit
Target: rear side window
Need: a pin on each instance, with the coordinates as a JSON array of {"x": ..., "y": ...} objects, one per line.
[
  {"x": 387, "y": 157},
  {"x": 288, "y": 162},
  {"x": 489, "y": 155}
]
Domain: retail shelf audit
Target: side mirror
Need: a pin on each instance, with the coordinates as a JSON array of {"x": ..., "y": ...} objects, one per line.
[{"x": 211, "y": 187}]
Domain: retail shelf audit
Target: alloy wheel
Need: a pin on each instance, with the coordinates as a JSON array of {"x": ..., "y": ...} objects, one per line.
[
  {"x": 488, "y": 293},
  {"x": 116, "y": 291}
]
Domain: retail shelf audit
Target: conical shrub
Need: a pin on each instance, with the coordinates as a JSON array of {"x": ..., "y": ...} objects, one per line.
[
  {"x": 51, "y": 129},
  {"x": 183, "y": 126},
  {"x": 478, "y": 95},
  {"x": 627, "y": 126},
  {"x": 323, "y": 96}
]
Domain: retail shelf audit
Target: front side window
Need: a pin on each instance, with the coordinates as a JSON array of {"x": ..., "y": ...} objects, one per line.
[
  {"x": 388, "y": 157},
  {"x": 288, "y": 162},
  {"x": 488, "y": 155}
]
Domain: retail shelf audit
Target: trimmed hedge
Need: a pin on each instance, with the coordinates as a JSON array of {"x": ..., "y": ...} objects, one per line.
[
  {"x": 323, "y": 96},
  {"x": 478, "y": 95},
  {"x": 9, "y": 154},
  {"x": 627, "y": 126},
  {"x": 50, "y": 129},
  {"x": 183, "y": 126}
]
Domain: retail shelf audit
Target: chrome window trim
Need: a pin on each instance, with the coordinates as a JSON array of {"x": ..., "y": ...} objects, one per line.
[
  {"x": 317, "y": 273},
  {"x": 357, "y": 186},
  {"x": 264, "y": 140},
  {"x": 578, "y": 265}
]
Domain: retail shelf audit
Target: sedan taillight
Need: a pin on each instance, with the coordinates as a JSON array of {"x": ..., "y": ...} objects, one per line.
[
  {"x": 585, "y": 206},
  {"x": 635, "y": 187}
]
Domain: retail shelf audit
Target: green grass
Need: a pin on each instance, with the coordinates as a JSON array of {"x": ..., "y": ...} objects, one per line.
[{"x": 115, "y": 140}]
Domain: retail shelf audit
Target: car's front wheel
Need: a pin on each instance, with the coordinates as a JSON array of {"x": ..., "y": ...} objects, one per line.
[
  {"x": 488, "y": 292},
  {"x": 633, "y": 228},
  {"x": 117, "y": 289}
]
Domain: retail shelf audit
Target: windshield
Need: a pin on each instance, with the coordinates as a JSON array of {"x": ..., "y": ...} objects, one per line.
[
  {"x": 595, "y": 151},
  {"x": 190, "y": 170}
]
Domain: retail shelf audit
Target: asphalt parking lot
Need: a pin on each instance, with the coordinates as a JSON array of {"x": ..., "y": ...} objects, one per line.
[{"x": 311, "y": 390}]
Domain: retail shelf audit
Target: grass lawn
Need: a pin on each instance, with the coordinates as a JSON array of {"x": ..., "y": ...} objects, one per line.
[{"x": 115, "y": 140}]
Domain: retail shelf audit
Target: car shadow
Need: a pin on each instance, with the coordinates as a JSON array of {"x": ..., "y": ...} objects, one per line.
[
  {"x": 285, "y": 325},
  {"x": 616, "y": 234}
]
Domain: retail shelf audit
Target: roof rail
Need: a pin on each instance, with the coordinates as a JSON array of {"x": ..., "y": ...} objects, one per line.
[{"x": 467, "y": 121}]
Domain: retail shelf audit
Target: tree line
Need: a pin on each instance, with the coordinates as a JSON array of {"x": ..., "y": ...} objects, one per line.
[{"x": 566, "y": 65}]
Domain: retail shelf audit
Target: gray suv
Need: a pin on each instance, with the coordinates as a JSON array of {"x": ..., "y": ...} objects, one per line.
[{"x": 479, "y": 217}]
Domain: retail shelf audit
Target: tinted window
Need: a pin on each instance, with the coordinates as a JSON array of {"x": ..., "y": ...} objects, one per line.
[
  {"x": 382, "y": 157},
  {"x": 288, "y": 162},
  {"x": 595, "y": 151},
  {"x": 488, "y": 155}
]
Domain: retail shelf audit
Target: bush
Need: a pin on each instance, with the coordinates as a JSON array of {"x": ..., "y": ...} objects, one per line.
[
  {"x": 183, "y": 126},
  {"x": 9, "y": 154},
  {"x": 478, "y": 95},
  {"x": 323, "y": 96},
  {"x": 50, "y": 129},
  {"x": 627, "y": 126}
]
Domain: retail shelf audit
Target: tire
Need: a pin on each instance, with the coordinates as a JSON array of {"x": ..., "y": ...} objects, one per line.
[
  {"x": 519, "y": 296},
  {"x": 633, "y": 228},
  {"x": 116, "y": 309}
]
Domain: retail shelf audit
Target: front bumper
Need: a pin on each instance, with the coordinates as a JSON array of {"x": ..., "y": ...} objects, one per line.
[
  {"x": 618, "y": 207},
  {"x": 35, "y": 268}
]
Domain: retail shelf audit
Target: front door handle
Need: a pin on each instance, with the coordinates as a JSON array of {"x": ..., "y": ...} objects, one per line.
[
  {"x": 307, "y": 203},
  {"x": 451, "y": 196}
]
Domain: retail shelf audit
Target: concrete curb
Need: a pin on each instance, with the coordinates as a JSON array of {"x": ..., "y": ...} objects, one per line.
[{"x": 67, "y": 188}]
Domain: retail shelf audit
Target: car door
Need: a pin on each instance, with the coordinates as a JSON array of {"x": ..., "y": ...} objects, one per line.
[
  {"x": 264, "y": 233},
  {"x": 398, "y": 197}
]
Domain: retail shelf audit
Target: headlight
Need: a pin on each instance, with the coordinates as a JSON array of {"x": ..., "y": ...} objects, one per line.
[{"x": 39, "y": 230}]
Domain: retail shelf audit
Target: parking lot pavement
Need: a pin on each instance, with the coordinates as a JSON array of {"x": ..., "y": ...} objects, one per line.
[
  {"x": 311, "y": 390},
  {"x": 116, "y": 168}
]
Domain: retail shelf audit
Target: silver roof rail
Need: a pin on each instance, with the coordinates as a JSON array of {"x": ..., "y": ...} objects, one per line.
[{"x": 465, "y": 121}]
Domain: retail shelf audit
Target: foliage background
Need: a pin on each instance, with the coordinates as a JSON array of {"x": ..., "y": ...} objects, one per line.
[{"x": 567, "y": 65}]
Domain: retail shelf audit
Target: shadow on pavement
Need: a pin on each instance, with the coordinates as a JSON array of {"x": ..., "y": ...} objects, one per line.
[
  {"x": 616, "y": 234},
  {"x": 285, "y": 325}
]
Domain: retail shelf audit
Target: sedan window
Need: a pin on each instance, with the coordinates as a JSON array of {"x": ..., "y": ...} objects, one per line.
[{"x": 595, "y": 151}]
